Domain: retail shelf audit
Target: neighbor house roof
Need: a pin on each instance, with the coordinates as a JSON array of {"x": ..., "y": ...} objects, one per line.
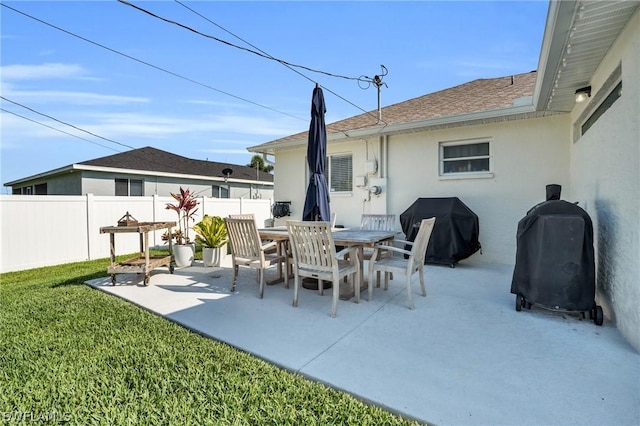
[
  {"x": 149, "y": 160},
  {"x": 479, "y": 99},
  {"x": 156, "y": 160}
]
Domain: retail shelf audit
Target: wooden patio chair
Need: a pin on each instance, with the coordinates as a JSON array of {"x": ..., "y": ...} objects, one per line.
[
  {"x": 399, "y": 265},
  {"x": 248, "y": 250},
  {"x": 377, "y": 222},
  {"x": 314, "y": 256},
  {"x": 242, "y": 216}
]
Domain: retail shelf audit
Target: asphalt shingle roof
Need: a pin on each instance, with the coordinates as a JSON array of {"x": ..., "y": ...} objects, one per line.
[
  {"x": 156, "y": 160},
  {"x": 484, "y": 94}
]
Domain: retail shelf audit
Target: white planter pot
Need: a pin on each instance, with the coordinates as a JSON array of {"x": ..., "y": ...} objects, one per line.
[
  {"x": 183, "y": 255},
  {"x": 211, "y": 256}
]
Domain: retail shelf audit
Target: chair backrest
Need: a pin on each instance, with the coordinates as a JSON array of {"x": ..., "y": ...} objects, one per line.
[
  {"x": 419, "y": 249},
  {"x": 312, "y": 245},
  {"x": 378, "y": 222},
  {"x": 242, "y": 216},
  {"x": 244, "y": 238}
]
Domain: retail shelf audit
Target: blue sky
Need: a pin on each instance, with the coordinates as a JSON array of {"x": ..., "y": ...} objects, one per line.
[{"x": 214, "y": 100}]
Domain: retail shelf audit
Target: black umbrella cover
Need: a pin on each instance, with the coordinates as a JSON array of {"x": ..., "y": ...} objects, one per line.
[{"x": 316, "y": 203}]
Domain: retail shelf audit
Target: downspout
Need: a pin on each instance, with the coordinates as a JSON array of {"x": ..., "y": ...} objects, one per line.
[{"x": 384, "y": 153}]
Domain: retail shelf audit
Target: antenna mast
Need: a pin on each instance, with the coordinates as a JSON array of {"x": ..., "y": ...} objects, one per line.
[{"x": 377, "y": 81}]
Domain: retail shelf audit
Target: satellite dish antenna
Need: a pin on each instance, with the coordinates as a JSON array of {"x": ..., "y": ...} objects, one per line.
[{"x": 227, "y": 172}]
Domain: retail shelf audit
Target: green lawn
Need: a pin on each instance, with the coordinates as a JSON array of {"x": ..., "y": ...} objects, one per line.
[{"x": 72, "y": 353}]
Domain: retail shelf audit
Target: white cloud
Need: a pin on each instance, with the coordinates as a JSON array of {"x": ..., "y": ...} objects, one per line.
[
  {"x": 226, "y": 151},
  {"x": 134, "y": 125},
  {"x": 70, "y": 97},
  {"x": 43, "y": 71}
]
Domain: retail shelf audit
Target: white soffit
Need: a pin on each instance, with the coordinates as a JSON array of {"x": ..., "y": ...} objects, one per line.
[{"x": 577, "y": 38}]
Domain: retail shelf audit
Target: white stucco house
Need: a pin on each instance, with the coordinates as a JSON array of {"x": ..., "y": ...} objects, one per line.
[
  {"x": 148, "y": 171},
  {"x": 514, "y": 135}
]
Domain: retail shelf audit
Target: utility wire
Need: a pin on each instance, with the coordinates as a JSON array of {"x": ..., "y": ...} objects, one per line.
[
  {"x": 163, "y": 166},
  {"x": 151, "y": 65},
  {"x": 65, "y": 123},
  {"x": 369, "y": 80},
  {"x": 57, "y": 130},
  {"x": 261, "y": 54}
]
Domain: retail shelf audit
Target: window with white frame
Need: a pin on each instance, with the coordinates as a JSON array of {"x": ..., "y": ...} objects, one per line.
[
  {"x": 339, "y": 173},
  {"x": 465, "y": 157},
  {"x": 129, "y": 187}
]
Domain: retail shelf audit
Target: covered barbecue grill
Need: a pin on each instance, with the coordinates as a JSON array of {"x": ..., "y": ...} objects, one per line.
[
  {"x": 555, "y": 266},
  {"x": 456, "y": 231}
]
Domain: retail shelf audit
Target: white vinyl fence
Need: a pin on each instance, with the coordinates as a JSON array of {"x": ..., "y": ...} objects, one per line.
[{"x": 51, "y": 230}]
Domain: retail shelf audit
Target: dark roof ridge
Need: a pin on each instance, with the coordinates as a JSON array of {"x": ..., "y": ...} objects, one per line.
[{"x": 152, "y": 159}]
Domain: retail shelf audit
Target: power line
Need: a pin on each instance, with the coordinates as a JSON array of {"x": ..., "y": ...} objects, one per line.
[
  {"x": 146, "y": 160},
  {"x": 375, "y": 81},
  {"x": 259, "y": 53},
  {"x": 151, "y": 65},
  {"x": 366, "y": 79},
  {"x": 65, "y": 123},
  {"x": 58, "y": 130},
  {"x": 243, "y": 40}
]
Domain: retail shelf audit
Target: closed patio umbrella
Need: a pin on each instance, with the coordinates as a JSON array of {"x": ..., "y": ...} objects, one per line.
[{"x": 316, "y": 203}]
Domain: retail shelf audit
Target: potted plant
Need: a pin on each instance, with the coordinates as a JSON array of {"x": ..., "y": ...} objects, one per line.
[
  {"x": 211, "y": 234},
  {"x": 185, "y": 207}
]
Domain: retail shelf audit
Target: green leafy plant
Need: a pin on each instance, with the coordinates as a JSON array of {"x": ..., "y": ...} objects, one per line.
[
  {"x": 186, "y": 209},
  {"x": 211, "y": 231}
]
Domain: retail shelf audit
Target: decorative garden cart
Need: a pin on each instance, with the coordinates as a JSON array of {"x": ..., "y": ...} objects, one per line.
[{"x": 144, "y": 263}]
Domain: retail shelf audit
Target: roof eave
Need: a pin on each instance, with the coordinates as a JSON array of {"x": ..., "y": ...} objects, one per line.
[
  {"x": 408, "y": 127},
  {"x": 74, "y": 167},
  {"x": 559, "y": 19},
  {"x": 53, "y": 172}
]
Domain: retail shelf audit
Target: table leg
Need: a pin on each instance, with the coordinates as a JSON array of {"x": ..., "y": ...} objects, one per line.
[
  {"x": 349, "y": 292},
  {"x": 280, "y": 249},
  {"x": 146, "y": 258},
  {"x": 112, "y": 247}
]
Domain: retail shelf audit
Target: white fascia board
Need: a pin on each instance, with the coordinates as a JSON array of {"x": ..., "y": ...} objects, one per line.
[
  {"x": 165, "y": 174},
  {"x": 452, "y": 120},
  {"x": 413, "y": 126},
  {"x": 74, "y": 167},
  {"x": 556, "y": 33},
  {"x": 53, "y": 172}
]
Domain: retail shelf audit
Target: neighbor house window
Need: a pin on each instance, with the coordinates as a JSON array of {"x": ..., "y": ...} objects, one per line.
[
  {"x": 218, "y": 191},
  {"x": 340, "y": 173},
  {"x": 41, "y": 189},
  {"x": 129, "y": 187},
  {"x": 464, "y": 158}
]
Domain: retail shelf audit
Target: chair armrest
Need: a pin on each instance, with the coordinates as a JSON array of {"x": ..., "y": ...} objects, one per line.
[
  {"x": 380, "y": 247},
  {"x": 269, "y": 245},
  {"x": 347, "y": 250}
]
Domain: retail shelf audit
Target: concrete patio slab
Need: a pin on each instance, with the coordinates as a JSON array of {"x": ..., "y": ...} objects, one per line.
[{"x": 464, "y": 356}]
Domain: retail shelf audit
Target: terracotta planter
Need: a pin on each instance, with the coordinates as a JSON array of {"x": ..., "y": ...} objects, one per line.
[
  {"x": 183, "y": 255},
  {"x": 211, "y": 256}
]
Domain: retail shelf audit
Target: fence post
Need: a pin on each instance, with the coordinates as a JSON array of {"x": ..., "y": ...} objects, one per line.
[
  {"x": 154, "y": 214},
  {"x": 89, "y": 204}
]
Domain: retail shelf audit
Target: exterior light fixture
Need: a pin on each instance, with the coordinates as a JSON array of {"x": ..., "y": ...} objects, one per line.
[
  {"x": 583, "y": 94},
  {"x": 227, "y": 172}
]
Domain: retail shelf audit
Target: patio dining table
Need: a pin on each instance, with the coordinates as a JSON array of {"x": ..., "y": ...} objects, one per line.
[{"x": 347, "y": 237}]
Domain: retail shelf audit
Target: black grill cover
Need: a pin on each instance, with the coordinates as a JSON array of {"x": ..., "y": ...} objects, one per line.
[
  {"x": 455, "y": 234},
  {"x": 555, "y": 264}
]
